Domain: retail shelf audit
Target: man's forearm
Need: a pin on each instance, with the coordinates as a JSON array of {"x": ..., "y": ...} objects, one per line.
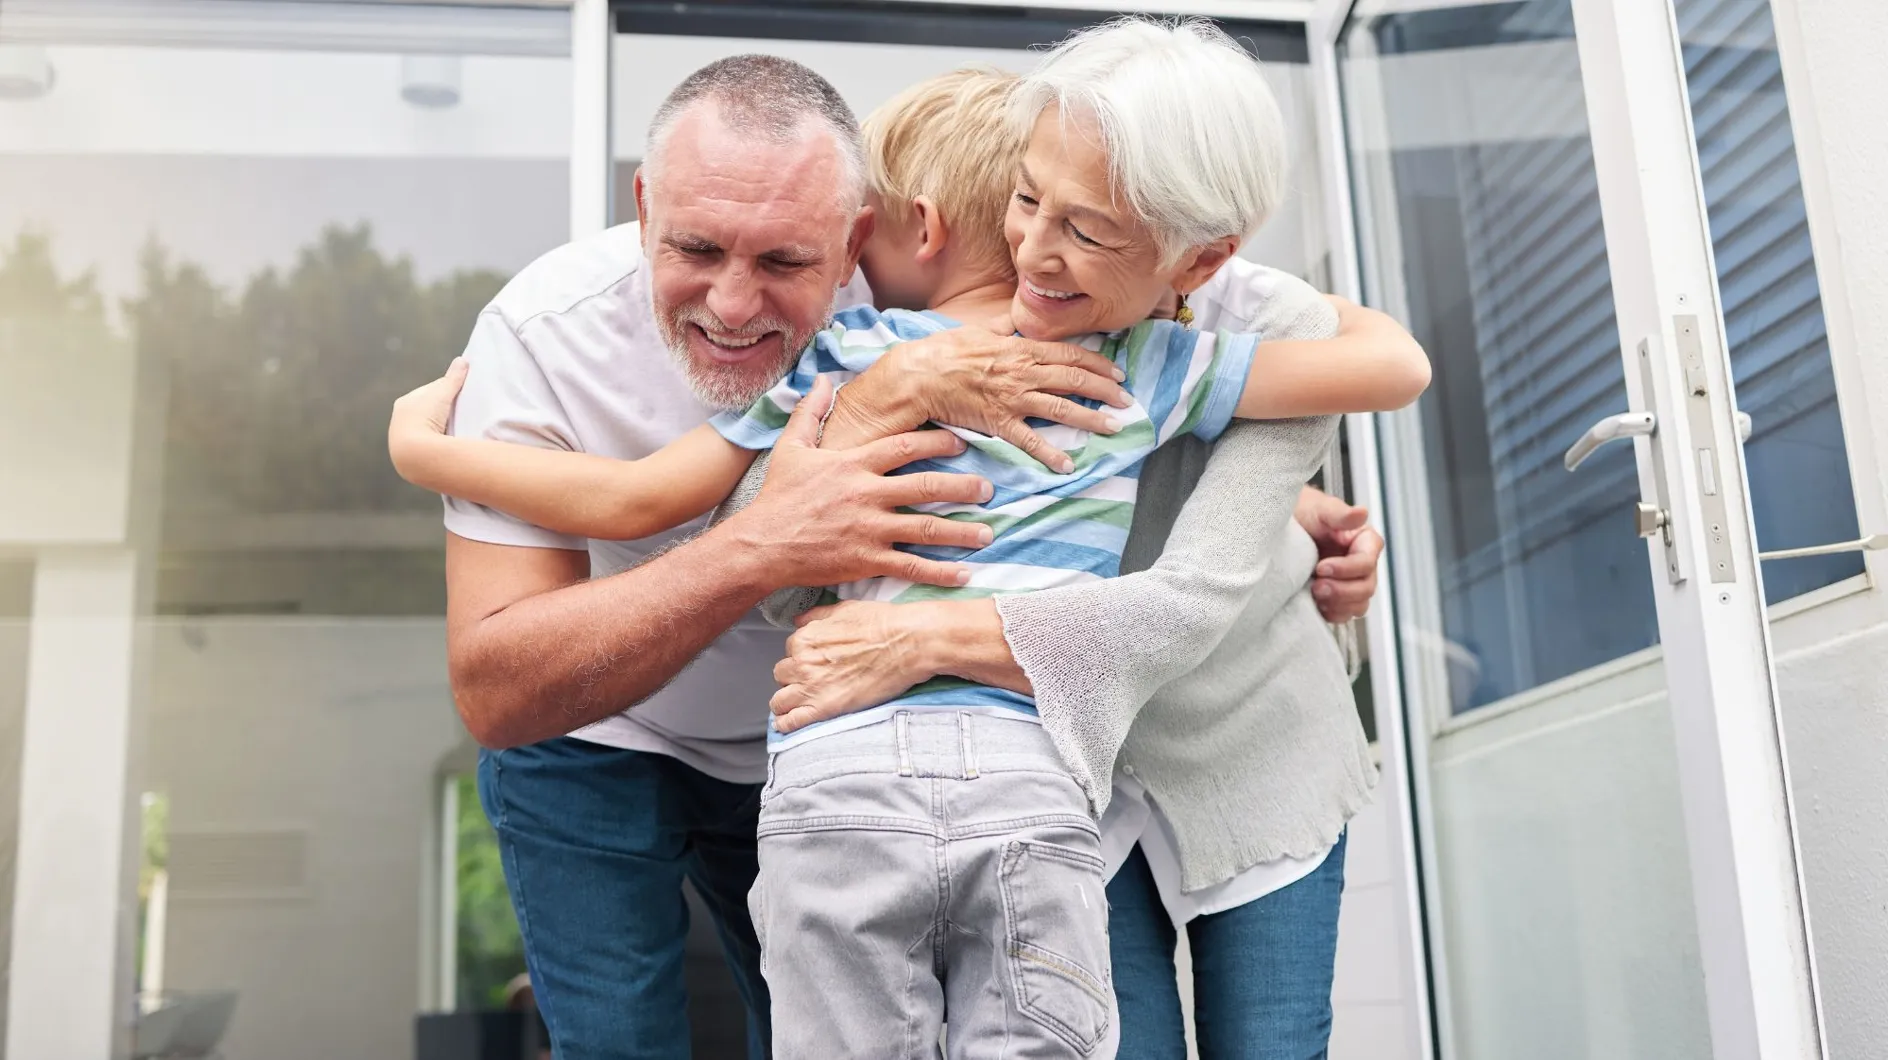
[{"x": 555, "y": 662}]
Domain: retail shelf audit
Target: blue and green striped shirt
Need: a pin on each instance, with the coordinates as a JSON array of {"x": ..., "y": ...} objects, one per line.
[{"x": 1049, "y": 529}]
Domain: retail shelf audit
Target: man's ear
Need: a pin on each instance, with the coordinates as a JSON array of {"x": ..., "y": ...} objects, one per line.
[
  {"x": 641, "y": 188},
  {"x": 1207, "y": 260},
  {"x": 862, "y": 224},
  {"x": 933, "y": 231}
]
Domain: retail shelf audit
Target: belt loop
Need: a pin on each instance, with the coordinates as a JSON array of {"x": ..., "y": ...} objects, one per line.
[
  {"x": 902, "y": 727},
  {"x": 970, "y": 745}
]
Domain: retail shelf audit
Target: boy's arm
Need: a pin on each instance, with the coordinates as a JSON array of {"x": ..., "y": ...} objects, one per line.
[
  {"x": 568, "y": 492},
  {"x": 1371, "y": 365}
]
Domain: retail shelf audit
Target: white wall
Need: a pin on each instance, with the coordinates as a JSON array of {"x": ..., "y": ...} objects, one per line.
[
  {"x": 1369, "y": 999},
  {"x": 301, "y": 759},
  {"x": 169, "y": 101},
  {"x": 1835, "y": 700}
]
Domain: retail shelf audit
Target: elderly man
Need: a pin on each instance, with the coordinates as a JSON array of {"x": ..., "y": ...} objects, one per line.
[{"x": 750, "y": 197}]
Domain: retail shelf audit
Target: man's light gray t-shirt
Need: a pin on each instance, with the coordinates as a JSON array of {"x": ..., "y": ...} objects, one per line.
[{"x": 567, "y": 356}]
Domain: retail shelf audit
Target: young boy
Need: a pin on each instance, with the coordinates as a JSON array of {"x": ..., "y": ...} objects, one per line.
[{"x": 930, "y": 853}]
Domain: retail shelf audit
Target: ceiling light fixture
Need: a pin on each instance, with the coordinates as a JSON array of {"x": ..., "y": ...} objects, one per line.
[{"x": 430, "y": 80}]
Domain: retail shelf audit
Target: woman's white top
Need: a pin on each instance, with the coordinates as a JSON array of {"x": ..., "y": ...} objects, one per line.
[{"x": 1133, "y": 818}]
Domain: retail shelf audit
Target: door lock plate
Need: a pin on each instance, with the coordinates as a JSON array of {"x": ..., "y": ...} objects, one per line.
[
  {"x": 1670, "y": 542},
  {"x": 1711, "y": 507}
]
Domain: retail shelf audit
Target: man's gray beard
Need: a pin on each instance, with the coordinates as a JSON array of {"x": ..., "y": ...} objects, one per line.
[{"x": 721, "y": 387}]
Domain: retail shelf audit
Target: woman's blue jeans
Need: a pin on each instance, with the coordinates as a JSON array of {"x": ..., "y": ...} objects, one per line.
[{"x": 1261, "y": 972}]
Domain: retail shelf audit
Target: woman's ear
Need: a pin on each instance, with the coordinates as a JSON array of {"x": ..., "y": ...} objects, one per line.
[
  {"x": 933, "y": 232},
  {"x": 1207, "y": 259}
]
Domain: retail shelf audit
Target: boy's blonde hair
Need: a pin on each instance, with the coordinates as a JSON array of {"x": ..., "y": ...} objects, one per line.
[{"x": 949, "y": 138}]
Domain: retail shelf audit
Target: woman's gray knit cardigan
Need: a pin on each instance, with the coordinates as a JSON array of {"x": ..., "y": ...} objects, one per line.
[{"x": 1205, "y": 671}]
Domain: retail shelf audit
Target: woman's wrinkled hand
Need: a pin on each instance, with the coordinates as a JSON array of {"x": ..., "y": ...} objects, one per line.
[
  {"x": 847, "y": 657},
  {"x": 993, "y": 384}
]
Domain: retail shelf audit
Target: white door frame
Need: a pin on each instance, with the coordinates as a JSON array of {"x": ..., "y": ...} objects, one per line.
[
  {"x": 592, "y": 118},
  {"x": 1403, "y": 787},
  {"x": 1753, "y": 929}
]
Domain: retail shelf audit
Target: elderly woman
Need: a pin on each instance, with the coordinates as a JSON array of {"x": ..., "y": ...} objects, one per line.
[{"x": 1201, "y": 702}]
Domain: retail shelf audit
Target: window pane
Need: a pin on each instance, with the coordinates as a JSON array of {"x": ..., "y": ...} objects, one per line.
[
  {"x": 1480, "y": 222},
  {"x": 219, "y": 265},
  {"x": 1799, "y": 469}
]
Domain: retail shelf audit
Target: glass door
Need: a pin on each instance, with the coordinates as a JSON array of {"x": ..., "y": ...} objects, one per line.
[{"x": 1609, "y": 864}]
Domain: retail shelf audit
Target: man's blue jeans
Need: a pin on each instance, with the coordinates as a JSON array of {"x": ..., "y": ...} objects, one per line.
[
  {"x": 596, "y": 842},
  {"x": 1261, "y": 972}
]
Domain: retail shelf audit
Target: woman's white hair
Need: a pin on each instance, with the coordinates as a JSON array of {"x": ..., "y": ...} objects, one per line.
[{"x": 1193, "y": 134}]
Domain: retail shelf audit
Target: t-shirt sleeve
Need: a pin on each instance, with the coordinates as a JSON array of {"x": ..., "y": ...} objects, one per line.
[
  {"x": 1189, "y": 381},
  {"x": 760, "y": 425},
  {"x": 507, "y": 398},
  {"x": 853, "y": 342}
]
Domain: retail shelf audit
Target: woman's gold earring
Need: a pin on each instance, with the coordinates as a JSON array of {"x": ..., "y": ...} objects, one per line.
[{"x": 1183, "y": 314}]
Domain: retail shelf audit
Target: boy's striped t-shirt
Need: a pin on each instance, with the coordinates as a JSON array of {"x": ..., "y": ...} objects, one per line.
[{"x": 1049, "y": 528}]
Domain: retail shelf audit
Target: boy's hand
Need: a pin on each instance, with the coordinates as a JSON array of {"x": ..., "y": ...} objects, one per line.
[
  {"x": 420, "y": 417},
  {"x": 427, "y": 409},
  {"x": 1348, "y": 550}
]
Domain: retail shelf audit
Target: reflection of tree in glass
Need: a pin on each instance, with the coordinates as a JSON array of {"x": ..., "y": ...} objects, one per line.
[
  {"x": 44, "y": 315},
  {"x": 490, "y": 950},
  {"x": 30, "y": 285},
  {"x": 279, "y": 389},
  {"x": 279, "y": 396}
]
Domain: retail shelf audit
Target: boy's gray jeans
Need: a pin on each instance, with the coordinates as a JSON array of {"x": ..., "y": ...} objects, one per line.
[{"x": 939, "y": 865}]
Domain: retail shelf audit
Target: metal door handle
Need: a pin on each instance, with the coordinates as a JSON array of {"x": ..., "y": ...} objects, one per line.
[{"x": 1610, "y": 429}]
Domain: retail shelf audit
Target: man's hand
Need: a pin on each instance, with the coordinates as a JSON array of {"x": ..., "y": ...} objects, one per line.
[
  {"x": 1347, "y": 554},
  {"x": 827, "y": 516},
  {"x": 983, "y": 382}
]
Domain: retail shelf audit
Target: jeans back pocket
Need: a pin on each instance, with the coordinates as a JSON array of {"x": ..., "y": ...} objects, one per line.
[{"x": 1055, "y": 902}]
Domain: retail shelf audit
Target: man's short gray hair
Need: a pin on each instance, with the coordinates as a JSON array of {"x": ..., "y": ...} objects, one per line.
[
  {"x": 1194, "y": 137},
  {"x": 767, "y": 97}
]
